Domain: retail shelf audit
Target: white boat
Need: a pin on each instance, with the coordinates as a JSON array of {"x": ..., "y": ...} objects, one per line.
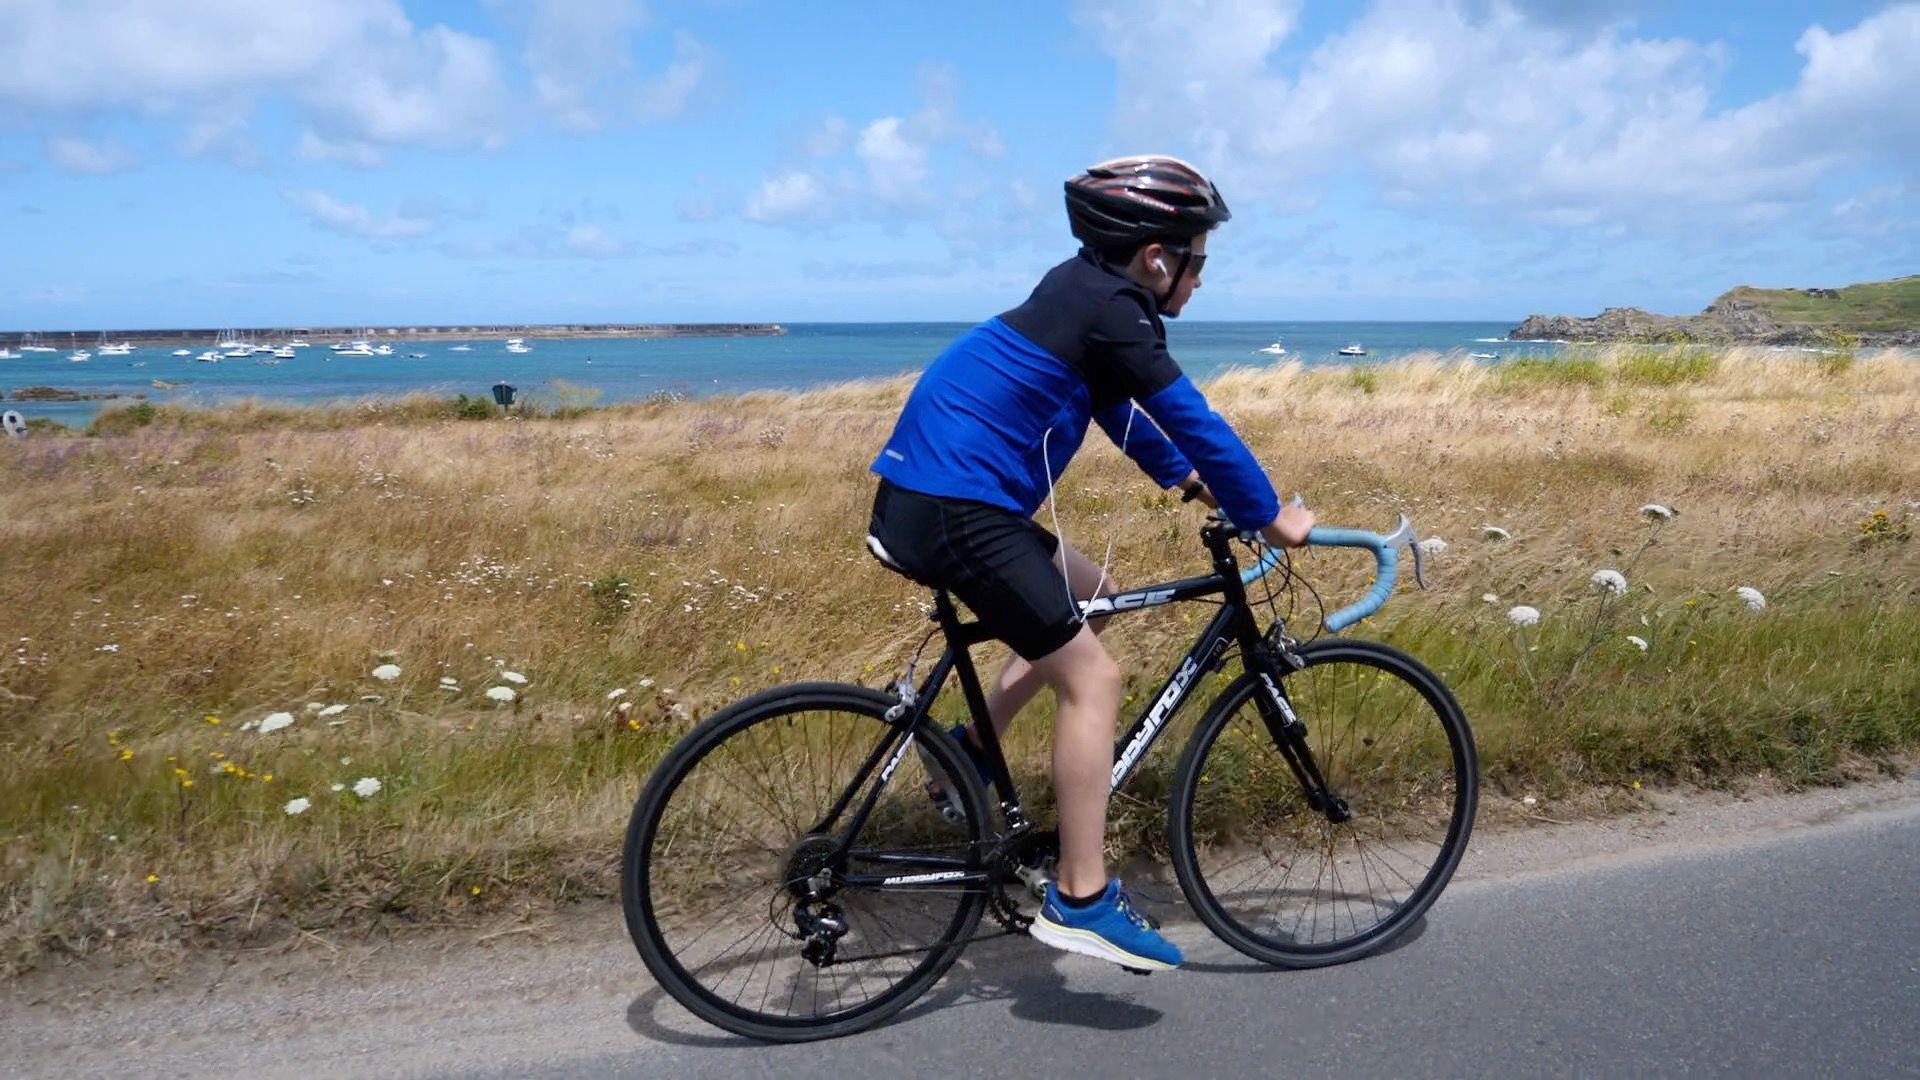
[
  {"x": 31, "y": 343},
  {"x": 358, "y": 348},
  {"x": 1353, "y": 350},
  {"x": 519, "y": 348},
  {"x": 516, "y": 341},
  {"x": 231, "y": 343},
  {"x": 1274, "y": 349},
  {"x": 1483, "y": 356},
  {"x": 284, "y": 352},
  {"x": 296, "y": 343},
  {"x": 383, "y": 350},
  {"x": 79, "y": 356},
  {"x": 121, "y": 349},
  {"x": 461, "y": 348},
  {"x": 183, "y": 352},
  {"x": 208, "y": 357},
  {"x": 263, "y": 350},
  {"x": 9, "y": 354},
  {"x": 237, "y": 354}
]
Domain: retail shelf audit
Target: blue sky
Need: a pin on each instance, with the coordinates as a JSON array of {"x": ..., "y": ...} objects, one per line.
[{"x": 321, "y": 162}]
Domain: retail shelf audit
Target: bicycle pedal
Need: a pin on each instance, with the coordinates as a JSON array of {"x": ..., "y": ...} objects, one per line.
[{"x": 1134, "y": 970}]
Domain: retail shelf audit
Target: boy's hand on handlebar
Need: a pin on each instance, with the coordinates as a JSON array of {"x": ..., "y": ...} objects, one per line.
[{"x": 1291, "y": 527}]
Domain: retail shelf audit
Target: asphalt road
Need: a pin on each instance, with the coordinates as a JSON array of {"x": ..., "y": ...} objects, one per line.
[
  {"x": 1701, "y": 936},
  {"x": 1797, "y": 956}
]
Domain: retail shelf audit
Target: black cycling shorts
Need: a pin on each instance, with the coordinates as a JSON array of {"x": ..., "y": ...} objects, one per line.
[{"x": 999, "y": 564}]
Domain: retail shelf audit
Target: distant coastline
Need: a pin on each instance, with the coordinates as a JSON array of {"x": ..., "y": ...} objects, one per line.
[
  {"x": 1874, "y": 313},
  {"x": 70, "y": 339}
]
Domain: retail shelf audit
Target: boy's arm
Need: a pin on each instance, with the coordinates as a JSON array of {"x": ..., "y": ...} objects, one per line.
[
  {"x": 1144, "y": 443},
  {"x": 1223, "y": 461}
]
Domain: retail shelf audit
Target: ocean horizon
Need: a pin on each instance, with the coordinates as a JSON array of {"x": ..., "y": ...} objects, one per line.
[{"x": 808, "y": 356}]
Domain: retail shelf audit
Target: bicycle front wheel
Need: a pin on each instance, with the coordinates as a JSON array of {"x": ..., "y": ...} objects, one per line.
[
  {"x": 1288, "y": 883},
  {"x": 731, "y": 888}
]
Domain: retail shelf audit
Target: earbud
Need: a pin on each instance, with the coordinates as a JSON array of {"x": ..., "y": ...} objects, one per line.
[{"x": 1160, "y": 266}]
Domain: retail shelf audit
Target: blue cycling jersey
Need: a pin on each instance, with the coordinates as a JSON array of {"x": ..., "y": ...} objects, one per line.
[{"x": 998, "y": 415}]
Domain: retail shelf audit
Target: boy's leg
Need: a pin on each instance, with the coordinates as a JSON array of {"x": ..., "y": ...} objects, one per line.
[
  {"x": 1087, "y": 682},
  {"x": 1018, "y": 681}
]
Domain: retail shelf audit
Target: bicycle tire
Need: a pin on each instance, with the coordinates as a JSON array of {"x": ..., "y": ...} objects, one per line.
[
  {"x": 640, "y": 865},
  {"x": 1207, "y": 835}
]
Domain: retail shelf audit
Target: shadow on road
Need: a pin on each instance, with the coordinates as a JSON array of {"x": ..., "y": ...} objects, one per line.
[
  {"x": 1247, "y": 966},
  {"x": 1002, "y": 969}
]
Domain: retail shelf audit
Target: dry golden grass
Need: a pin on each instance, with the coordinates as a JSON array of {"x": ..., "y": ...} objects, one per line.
[{"x": 236, "y": 564}]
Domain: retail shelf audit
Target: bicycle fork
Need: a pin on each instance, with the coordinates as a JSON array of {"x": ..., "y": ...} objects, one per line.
[{"x": 1289, "y": 735}]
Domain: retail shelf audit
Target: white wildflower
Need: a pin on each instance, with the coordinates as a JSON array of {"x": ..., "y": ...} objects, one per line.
[
  {"x": 1657, "y": 512},
  {"x": 1610, "y": 582},
  {"x": 333, "y": 710},
  {"x": 387, "y": 672},
  {"x": 448, "y": 680},
  {"x": 618, "y": 691},
  {"x": 1751, "y": 597},
  {"x": 1529, "y": 801},
  {"x": 644, "y": 683},
  {"x": 500, "y": 693},
  {"x": 1522, "y": 615},
  {"x": 1638, "y": 642},
  {"x": 1433, "y": 545},
  {"x": 336, "y": 788},
  {"x": 297, "y": 806},
  {"x": 108, "y": 648},
  {"x": 276, "y": 721},
  {"x": 366, "y": 787},
  {"x": 1494, "y": 532},
  {"x": 623, "y": 707},
  {"x": 314, "y": 706},
  {"x": 1489, "y": 598},
  {"x": 514, "y": 677}
]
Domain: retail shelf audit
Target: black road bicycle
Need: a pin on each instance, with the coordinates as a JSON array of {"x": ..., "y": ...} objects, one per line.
[{"x": 787, "y": 876}]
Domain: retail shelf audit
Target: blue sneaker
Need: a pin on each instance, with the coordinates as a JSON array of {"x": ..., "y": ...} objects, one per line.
[
  {"x": 941, "y": 788},
  {"x": 1108, "y": 929}
]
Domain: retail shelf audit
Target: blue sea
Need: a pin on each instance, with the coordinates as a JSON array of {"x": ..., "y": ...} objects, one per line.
[{"x": 809, "y": 355}]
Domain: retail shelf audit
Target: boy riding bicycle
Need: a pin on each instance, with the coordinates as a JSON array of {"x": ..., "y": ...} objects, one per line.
[{"x": 991, "y": 424}]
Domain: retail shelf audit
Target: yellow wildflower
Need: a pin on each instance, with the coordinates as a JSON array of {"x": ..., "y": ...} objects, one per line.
[
  {"x": 126, "y": 755},
  {"x": 736, "y": 680},
  {"x": 267, "y": 779},
  {"x": 153, "y": 879},
  {"x": 739, "y": 646},
  {"x": 212, "y": 719},
  {"x": 186, "y": 783},
  {"x": 475, "y": 890}
]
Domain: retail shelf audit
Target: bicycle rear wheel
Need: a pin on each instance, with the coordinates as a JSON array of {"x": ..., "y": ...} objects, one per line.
[
  {"x": 1278, "y": 879},
  {"x": 727, "y": 877}
]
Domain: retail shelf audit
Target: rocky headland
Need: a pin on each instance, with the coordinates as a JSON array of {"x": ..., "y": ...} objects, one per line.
[{"x": 1885, "y": 313}]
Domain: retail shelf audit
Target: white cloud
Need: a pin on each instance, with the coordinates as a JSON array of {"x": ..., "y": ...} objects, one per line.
[
  {"x": 896, "y": 165},
  {"x": 579, "y": 54},
  {"x": 352, "y": 219},
  {"x": 595, "y": 241},
  {"x": 81, "y": 156},
  {"x": 901, "y": 167},
  {"x": 1570, "y": 125},
  {"x": 356, "y": 70},
  {"x": 312, "y": 147},
  {"x": 789, "y": 196}
]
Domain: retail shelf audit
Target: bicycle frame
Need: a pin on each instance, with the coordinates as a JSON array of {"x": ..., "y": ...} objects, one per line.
[{"x": 1234, "y": 624}]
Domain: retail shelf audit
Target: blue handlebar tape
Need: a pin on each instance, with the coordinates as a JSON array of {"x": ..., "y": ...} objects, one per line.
[
  {"x": 1386, "y": 560},
  {"x": 1269, "y": 559}
]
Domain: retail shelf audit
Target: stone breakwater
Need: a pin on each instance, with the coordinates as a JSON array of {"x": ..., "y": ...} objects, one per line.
[
  {"x": 1725, "y": 322},
  {"x": 74, "y": 339}
]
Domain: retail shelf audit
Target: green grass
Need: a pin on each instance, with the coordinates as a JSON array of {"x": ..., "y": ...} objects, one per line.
[{"x": 1871, "y": 305}]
